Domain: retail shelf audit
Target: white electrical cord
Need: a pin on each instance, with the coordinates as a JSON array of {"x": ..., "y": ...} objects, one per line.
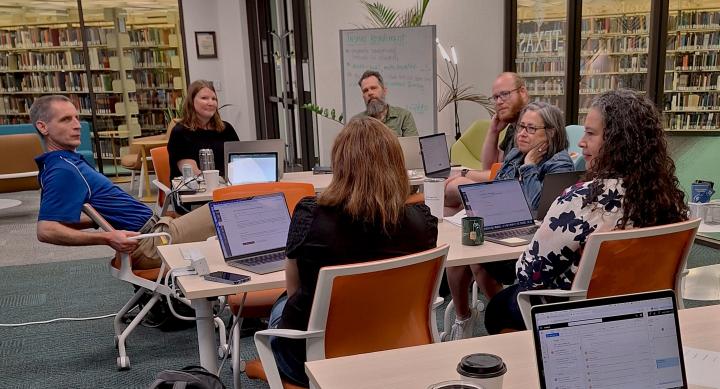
[{"x": 59, "y": 319}]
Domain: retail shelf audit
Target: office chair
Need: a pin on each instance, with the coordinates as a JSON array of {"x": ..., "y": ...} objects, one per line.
[
  {"x": 364, "y": 307},
  {"x": 257, "y": 304},
  {"x": 467, "y": 151},
  {"x": 627, "y": 261}
]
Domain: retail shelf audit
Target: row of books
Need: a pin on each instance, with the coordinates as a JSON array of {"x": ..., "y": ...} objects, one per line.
[
  {"x": 630, "y": 24},
  {"x": 533, "y": 26},
  {"x": 692, "y": 101},
  {"x": 693, "y": 81},
  {"x": 39, "y": 37},
  {"x": 153, "y": 57},
  {"x": 15, "y": 104},
  {"x": 693, "y": 20},
  {"x": 157, "y": 98},
  {"x": 602, "y": 63},
  {"x": 558, "y": 101},
  {"x": 111, "y": 147},
  {"x": 595, "y": 84},
  {"x": 105, "y": 104},
  {"x": 693, "y": 121},
  {"x": 617, "y": 44},
  {"x": 151, "y": 36},
  {"x": 540, "y": 65},
  {"x": 693, "y": 61},
  {"x": 153, "y": 78},
  {"x": 55, "y": 82},
  {"x": 551, "y": 85},
  {"x": 58, "y": 60},
  {"x": 151, "y": 119},
  {"x": 694, "y": 40}
]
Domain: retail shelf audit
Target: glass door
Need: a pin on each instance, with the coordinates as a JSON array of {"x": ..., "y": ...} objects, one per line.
[
  {"x": 614, "y": 48},
  {"x": 281, "y": 73},
  {"x": 541, "y": 56}
]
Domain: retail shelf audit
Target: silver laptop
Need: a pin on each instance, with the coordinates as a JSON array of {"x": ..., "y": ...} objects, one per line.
[
  {"x": 251, "y": 167},
  {"x": 553, "y": 186},
  {"x": 411, "y": 152},
  {"x": 630, "y": 341},
  {"x": 504, "y": 210},
  {"x": 253, "y": 231},
  {"x": 258, "y": 146},
  {"x": 435, "y": 155}
]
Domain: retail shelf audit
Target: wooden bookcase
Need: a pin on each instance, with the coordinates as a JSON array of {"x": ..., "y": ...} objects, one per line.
[{"x": 136, "y": 73}]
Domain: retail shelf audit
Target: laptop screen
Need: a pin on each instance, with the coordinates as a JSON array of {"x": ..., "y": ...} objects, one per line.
[
  {"x": 501, "y": 203},
  {"x": 245, "y": 168},
  {"x": 251, "y": 225},
  {"x": 434, "y": 150},
  {"x": 628, "y": 341}
]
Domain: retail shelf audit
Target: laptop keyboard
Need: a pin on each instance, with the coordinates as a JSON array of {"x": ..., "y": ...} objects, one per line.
[
  {"x": 262, "y": 259},
  {"x": 513, "y": 233}
]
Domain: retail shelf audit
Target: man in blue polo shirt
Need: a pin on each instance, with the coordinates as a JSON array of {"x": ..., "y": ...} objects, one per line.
[{"x": 67, "y": 182}]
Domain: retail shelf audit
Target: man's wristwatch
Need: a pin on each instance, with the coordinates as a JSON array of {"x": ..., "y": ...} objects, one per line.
[{"x": 464, "y": 172}]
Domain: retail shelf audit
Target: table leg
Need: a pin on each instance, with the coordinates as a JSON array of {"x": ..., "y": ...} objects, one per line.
[
  {"x": 148, "y": 197},
  {"x": 206, "y": 334}
]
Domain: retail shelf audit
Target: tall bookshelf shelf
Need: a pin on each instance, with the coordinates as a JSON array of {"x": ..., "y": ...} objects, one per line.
[
  {"x": 692, "y": 71},
  {"x": 136, "y": 72}
]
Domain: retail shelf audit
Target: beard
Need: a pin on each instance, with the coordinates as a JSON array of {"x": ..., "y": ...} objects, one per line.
[{"x": 375, "y": 108}]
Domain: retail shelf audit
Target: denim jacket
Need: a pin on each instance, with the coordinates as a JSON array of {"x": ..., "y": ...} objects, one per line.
[{"x": 531, "y": 176}]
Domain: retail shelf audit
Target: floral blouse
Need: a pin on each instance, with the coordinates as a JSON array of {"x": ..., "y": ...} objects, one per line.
[{"x": 552, "y": 257}]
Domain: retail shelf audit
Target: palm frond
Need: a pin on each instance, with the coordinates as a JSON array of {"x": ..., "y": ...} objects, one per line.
[
  {"x": 381, "y": 16},
  {"x": 465, "y": 93}
]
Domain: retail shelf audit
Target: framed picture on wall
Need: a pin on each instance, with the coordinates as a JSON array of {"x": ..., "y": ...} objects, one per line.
[{"x": 205, "y": 44}]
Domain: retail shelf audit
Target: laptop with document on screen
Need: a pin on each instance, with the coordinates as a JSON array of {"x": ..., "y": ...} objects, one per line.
[
  {"x": 435, "y": 155},
  {"x": 628, "y": 341},
  {"x": 251, "y": 167},
  {"x": 253, "y": 231},
  {"x": 504, "y": 209}
]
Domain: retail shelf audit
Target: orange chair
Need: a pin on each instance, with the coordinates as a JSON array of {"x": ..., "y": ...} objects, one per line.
[
  {"x": 627, "y": 261},
  {"x": 362, "y": 308},
  {"x": 494, "y": 170},
  {"x": 257, "y": 304},
  {"x": 161, "y": 165}
]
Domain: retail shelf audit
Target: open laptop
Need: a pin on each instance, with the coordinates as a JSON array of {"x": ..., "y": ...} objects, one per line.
[
  {"x": 250, "y": 167},
  {"x": 253, "y": 231},
  {"x": 553, "y": 186},
  {"x": 258, "y": 146},
  {"x": 435, "y": 155},
  {"x": 504, "y": 210},
  {"x": 411, "y": 152},
  {"x": 629, "y": 341}
]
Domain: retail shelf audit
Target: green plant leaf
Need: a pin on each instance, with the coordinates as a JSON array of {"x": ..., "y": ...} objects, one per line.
[{"x": 380, "y": 15}]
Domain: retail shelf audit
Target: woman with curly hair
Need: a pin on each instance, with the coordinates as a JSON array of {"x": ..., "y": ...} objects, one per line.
[{"x": 630, "y": 183}]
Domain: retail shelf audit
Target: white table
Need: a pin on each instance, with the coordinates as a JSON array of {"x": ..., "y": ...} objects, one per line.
[
  {"x": 421, "y": 366},
  {"x": 200, "y": 292},
  {"x": 9, "y": 203}
]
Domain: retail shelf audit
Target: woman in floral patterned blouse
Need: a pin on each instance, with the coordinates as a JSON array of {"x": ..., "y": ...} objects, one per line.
[{"x": 631, "y": 182}]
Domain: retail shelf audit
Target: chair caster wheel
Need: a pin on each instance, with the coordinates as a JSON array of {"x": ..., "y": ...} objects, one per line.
[
  {"x": 223, "y": 351},
  {"x": 123, "y": 363}
]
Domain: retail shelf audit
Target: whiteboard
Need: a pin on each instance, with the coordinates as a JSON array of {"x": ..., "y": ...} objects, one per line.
[{"x": 405, "y": 57}]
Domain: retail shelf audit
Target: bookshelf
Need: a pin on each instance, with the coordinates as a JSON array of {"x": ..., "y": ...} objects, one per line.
[
  {"x": 691, "y": 96},
  {"x": 613, "y": 52},
  {"x": 540, "y": 56},
  {"x": 136, "y": 72}
]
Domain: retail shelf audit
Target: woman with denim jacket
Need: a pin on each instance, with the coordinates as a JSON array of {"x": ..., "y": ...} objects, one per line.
[{"x": 540, "y": 148}]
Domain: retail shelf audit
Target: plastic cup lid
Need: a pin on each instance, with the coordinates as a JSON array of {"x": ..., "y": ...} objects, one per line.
[
  {"x": 481, "y": 365},
  {"x": 455, "y": 384}
]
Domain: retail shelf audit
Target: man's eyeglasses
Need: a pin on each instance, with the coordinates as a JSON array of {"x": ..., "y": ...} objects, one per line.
[
  {"x": 531, "y": 129},
  {"x": 504, "y": 95}
]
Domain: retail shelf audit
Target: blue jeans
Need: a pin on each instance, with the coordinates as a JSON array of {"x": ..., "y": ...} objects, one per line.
[{"x": 289, "y": 363}]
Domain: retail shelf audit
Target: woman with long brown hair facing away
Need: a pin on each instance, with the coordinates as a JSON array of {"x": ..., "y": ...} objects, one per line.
[
  {"x": 360, "y": 217},
  {"x": 630, "y": 182},
  {"x": 200, "y": 128}
]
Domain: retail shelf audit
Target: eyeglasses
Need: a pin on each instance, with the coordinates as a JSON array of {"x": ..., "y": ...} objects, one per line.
[
  {"x": 504, "y": 95},
  {"x": 529, "y": 128}
]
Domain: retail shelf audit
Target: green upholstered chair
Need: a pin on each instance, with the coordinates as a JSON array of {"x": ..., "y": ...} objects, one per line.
[{"x": 467, "y": 151}]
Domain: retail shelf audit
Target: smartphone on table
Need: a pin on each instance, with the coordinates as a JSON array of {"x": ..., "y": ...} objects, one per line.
[{"x": 227, "y": 278}]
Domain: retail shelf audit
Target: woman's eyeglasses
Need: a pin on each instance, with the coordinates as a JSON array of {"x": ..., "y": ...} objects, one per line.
[{"x": 529, "y": 128}]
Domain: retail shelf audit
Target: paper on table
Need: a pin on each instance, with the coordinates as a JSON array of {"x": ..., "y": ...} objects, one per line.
[
  {"x": 456, "y": 219},
  {"x": 702, "y": 366},
  {"x": 709, "y": 227}
]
